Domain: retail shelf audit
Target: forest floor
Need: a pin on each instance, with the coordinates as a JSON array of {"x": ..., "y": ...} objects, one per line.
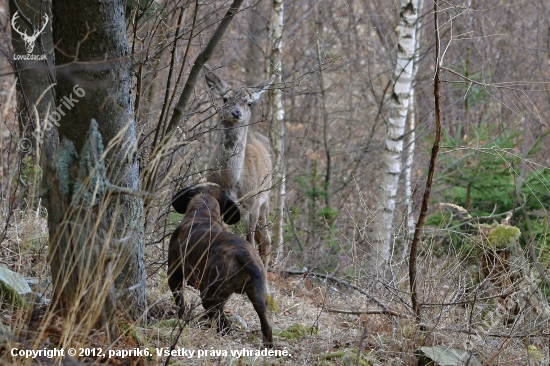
[{"x": 304, "y": 323}]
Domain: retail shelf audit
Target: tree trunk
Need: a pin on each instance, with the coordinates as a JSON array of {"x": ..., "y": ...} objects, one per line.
[
  {"x": 277, "y": 114},
  {"x": 93, "y": 222},
  {"x": 254, "y": 64},
  {"x": 395, "y": 128},
  {"x": 409, "y": 152},
  {"x": 326, "y": 137}
]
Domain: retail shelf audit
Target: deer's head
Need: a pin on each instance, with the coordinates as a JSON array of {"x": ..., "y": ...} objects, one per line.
[
  {"x": 237, "y": 101},
  {"x": 29, "y": 40}
]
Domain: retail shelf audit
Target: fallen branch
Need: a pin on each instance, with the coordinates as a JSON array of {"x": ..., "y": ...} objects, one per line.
[
  {"x": 432, "y": 304},
  {"x": 339, "y": 281},
  {"x": 482, "y": 334},
  {"x": 361, "y": 312}
]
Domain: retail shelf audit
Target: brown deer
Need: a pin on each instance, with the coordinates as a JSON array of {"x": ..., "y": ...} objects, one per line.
[{"x": 241, "y": 163}]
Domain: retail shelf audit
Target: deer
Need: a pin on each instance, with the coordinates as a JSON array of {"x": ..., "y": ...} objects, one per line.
[
  {"x": 241, "y": 161},
  {"x": 216, "y": 262},
  {"x": 29, "y": 40}
]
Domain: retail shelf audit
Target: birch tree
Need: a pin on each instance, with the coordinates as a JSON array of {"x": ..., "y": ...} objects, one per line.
[
  {"x": 277, "y": 121},
  {"x": 395, "y": 129},
  {"x": 410, "y": 145}
]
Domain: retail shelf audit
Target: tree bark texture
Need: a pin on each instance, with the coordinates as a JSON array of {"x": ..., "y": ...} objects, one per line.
[
  {"x": 395, "y": 128},
  {"x": 254, "y": 63},
  {"x": 94, "y": 82},
  {"x": 277, "y": 114}
]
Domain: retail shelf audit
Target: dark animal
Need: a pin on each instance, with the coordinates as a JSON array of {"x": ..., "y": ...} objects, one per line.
[{"x": 214, "y": 261}]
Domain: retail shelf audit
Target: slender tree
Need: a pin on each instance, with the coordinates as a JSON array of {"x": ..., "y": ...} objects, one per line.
[
  {"x": 395, "y": 129},
  {"x": 277, "y": 114},
  {"x": 410, "y": 143}
]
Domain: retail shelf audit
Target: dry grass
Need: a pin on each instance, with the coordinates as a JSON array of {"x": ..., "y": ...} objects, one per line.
[{"x": 301, "y": 324}]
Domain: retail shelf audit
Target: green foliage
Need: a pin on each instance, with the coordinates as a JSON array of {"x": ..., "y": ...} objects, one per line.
[
  {"x": 321, "y": 218},
  {"x": 475, "y": 93},
  {"x": 481, "y": 178},
  {"x": 485, "y": 178}
]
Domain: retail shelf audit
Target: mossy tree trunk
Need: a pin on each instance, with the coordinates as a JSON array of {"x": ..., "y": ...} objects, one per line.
[{"x": 98, "y": 229}]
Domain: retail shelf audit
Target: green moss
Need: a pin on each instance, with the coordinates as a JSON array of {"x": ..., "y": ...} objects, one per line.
[
  {"x": 8, "y": 295},
  {"x": 502, "y": 236},
  {"x": 296, "y": 331},
  {"x": 65, "y": 158},
  {"x": 168, "y": 323},
  {"x": 346, "y": 356},
  {"x": 534, "y": 353},
  {"x": 272, "y": 305},
  {"x": 91, "y": 182}
]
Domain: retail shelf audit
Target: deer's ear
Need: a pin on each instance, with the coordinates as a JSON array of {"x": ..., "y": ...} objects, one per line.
[
  {"x": 263, "y": 86},
  {"x": 229, "y": 209},
  {"x": 182, "y": 198},
  {"x": 214, "y": 82}
]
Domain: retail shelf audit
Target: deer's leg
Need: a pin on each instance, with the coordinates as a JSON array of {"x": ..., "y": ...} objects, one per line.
[
  {"x": 251, "y": 224},
  {"x": 262, "y": 236}
]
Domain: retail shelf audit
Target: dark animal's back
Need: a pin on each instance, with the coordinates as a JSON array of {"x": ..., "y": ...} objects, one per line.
[{"x": 235, "y": 258}]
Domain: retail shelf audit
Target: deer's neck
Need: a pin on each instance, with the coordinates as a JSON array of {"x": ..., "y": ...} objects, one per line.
[{"x": 232, "y": 150}]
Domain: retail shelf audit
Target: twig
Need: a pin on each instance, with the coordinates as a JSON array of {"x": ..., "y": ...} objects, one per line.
[
  {"x": 339, "y": 281},
  {"x": 494, "y": 335},
  {"x": 428, "y": 304},
  {"x": 203, "y": 57},
  {"x": 361, "y": 312}
]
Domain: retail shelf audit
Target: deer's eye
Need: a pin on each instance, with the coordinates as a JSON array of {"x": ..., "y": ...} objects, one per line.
[{"x": 249, "y": 104}]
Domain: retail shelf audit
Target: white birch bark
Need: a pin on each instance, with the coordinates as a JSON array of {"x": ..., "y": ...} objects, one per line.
[
  {"x": 409, "y": 158},
  {"x": 277, "y": 124},
  {"x": 395, "y": 129}
]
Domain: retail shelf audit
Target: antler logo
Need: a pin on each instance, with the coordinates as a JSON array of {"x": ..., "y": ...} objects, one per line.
[{"x": 29, "y": 40}]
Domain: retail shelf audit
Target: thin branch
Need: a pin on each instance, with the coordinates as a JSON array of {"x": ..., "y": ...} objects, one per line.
[
  {"x": 429, "y": 181},
  {"x": 339, "y": 281},
  {"x": 383, "y": 312},
  {"x": 203, "y": 57}
]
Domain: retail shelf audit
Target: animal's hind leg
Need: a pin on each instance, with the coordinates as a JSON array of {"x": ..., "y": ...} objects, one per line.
[
  {"x": 258, "y": 297},
  {"x": 262, "y": 236},
  {"x": 213, "y": 302},
  {"x": 175, "y": 281}
]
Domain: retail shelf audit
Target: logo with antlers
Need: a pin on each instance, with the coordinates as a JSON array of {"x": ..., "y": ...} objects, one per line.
[{"x": 29, "y": 40}]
